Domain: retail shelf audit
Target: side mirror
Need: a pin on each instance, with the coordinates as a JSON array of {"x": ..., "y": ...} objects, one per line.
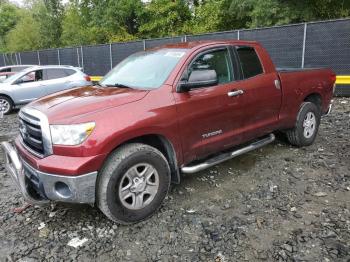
[
  {"x": 18, "y": 82},
  {"x": 199, "y": 78}
]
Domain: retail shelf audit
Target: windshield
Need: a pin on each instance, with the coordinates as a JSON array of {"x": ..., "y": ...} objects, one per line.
[{"x": 144, "y": 70}]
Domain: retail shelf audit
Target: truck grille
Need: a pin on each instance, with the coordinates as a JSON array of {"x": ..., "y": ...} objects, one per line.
[{"x": 31, "y": 134}]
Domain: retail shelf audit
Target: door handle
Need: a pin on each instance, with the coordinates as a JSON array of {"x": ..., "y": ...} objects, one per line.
[
  {"x": 277, "y": 84},
  {"x": 235, "y": 93}
]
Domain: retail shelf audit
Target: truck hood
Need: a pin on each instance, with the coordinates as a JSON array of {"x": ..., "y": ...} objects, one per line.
[{"x": 64, "y": 105}]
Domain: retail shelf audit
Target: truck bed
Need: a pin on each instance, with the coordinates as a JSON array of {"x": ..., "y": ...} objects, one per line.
[{"x": 298, "y": 82}]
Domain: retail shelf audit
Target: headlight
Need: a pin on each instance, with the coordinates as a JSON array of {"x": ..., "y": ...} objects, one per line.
[{"x": 71, "y": 135}]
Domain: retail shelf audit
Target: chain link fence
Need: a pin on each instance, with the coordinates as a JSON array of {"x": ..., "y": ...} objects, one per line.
[{"x": 315, "y": 44}]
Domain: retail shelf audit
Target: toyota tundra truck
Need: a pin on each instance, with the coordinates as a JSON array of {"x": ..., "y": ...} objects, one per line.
[{"x": 160, "y": 113}]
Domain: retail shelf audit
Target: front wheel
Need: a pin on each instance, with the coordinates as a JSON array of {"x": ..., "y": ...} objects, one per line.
[
  {"x": 133, "y": 183},
  {"x": 305, "y": 131},
  {"x": 6, "y": 105}
]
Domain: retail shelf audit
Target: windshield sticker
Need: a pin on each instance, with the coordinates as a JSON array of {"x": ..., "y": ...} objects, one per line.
[{"x": 175, "y": 54}]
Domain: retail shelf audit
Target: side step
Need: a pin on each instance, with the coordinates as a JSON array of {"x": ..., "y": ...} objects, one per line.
[{"x": 226, "y": 156}]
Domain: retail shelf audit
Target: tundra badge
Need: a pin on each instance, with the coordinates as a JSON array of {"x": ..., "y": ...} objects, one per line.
[{"x": 215, "y": 133}]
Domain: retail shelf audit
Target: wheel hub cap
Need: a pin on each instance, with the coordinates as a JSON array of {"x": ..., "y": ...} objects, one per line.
[
  {"x": 4, "y": 105},
  {"x": 138, "y": 186},
  {"x": 309, "y": 124}
]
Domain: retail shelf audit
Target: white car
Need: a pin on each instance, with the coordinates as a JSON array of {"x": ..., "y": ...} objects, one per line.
[{"x": 38, "y": 81}]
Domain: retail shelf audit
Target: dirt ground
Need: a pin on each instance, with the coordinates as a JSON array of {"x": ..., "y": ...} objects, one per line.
[{"x": 278, "y": 203}]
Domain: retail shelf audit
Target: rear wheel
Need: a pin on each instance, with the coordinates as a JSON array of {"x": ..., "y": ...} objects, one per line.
[
  {"x": 305, "y": 131},
  {"x": 6, "y": 105},
  {"x": 133, "y": 183}
]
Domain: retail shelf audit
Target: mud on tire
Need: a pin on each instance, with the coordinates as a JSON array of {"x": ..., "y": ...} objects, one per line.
[
  {"x": 305, "y": 131},
  {"x": 128, "y": 189}
]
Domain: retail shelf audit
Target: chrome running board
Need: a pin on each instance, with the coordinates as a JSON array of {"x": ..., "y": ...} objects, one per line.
[{"x": 226, "y": 156}]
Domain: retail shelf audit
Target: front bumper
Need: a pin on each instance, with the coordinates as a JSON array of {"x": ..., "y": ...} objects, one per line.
[{"x": 39, "y": 188}]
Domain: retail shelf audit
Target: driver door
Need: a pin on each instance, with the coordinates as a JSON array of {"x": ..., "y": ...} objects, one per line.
[
  {"x": 209, "y": 118},
  {"x": 28, "y": 87}
]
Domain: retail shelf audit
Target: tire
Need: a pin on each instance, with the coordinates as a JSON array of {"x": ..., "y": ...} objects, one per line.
[
  {"x": 305, "y": 131},
  {"x": 6, "y": 105},
  {"x": 119, "y": 172}
]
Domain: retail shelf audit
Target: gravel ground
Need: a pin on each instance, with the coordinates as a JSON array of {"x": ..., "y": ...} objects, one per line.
[{"x": 278, "y": 203}]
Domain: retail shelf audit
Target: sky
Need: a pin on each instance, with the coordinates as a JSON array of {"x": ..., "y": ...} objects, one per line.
[{"x": 19, "y": 2}]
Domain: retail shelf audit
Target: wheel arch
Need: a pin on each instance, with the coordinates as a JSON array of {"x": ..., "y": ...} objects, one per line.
[
  {"x": 315, "y": 98},
  {"x": 9, "y": 97},
  {"x": 163, "y": 144}
]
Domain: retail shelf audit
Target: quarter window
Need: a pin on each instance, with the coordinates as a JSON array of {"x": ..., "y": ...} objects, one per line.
[
  {"x": 69, "y": 72},
  {"x": 250, "y": 62},
  {"x": 218, "y": 60}
]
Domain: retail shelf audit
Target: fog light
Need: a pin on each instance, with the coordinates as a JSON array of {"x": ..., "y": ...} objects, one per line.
[{"x": 63, "y": 190}]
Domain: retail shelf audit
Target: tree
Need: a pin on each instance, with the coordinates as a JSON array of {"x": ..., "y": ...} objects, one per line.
[
  {"x": 74, "y": 32},
  {"x": 8, "y": 18},
  {"x": 48, "y": 14},
  {"x": 124, "y": 16},
  {"x": 260, "y": 13},
  {"x": 81, "y": 22},
  {"x": 311, "y": 10},
  {"x": 257, "y": 13},
  {"x": 25, "y": 36},
  {"x": 207, "y": 16},
  {"x": 164, "y": 18},
  {"x": 109, "y": 20}
]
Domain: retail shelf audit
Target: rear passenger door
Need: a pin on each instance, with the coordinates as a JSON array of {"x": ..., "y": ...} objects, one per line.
[
  {"x": 261, "y": 93},
  {"x": 56, "y": 79}
]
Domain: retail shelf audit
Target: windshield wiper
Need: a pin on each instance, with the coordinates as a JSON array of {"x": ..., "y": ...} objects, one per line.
[{"x": 118, "y": 85}]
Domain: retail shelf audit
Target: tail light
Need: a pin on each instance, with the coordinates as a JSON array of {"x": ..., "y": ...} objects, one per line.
[
  {"x": 333, "y": 78},
  {"x": 88, "y": 78},
  {"x": 333, "y": 81}
]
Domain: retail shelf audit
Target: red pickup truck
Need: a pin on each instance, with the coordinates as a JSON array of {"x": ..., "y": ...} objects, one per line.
[{"x": 175, "y": 109}]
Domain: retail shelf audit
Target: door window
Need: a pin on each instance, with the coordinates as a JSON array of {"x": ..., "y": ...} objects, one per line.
[
  {"x": 218, "y": 60},
  {"x": 54, "y": 73},
  {"x": 30, "y": 77},
  {"x": 250, "y": 62}
]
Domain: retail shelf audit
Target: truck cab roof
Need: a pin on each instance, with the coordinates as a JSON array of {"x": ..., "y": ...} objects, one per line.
[{"x": 198, "y": 44}]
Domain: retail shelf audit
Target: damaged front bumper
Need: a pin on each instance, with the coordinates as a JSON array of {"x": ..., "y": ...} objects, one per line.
[{"x": 39, "y": 188}]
